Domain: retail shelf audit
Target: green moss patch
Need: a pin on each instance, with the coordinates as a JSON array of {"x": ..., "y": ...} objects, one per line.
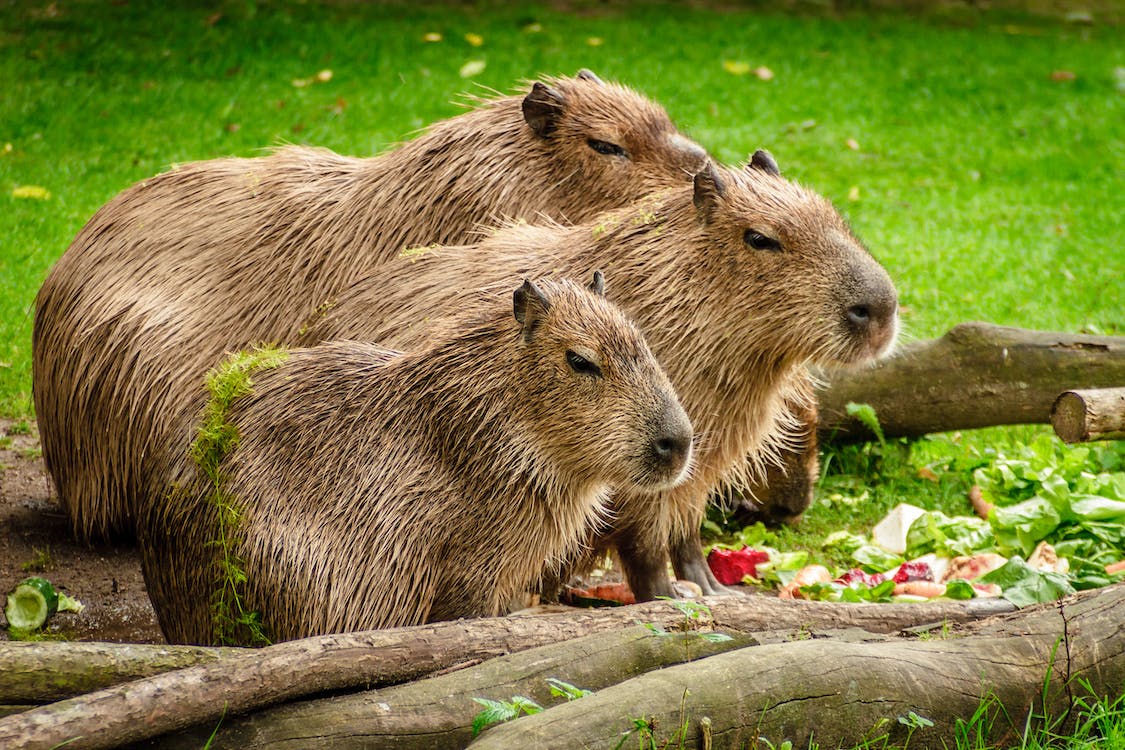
[{"x": 217, "y": 438}]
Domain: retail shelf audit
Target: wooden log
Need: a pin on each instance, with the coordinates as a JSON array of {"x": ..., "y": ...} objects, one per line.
[
  {"x": 286, "y": 671},
  {"x": 1082, "y": 416},
  {"x": 438, "y": 712},
  {"x": 43, "y": 671},
  {"x": 976, "y": 375},
  {"x": 838, "y": 693}
]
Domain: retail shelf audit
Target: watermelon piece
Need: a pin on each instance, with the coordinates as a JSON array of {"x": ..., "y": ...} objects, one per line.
[
  {"x": 730, "y": 566},
  {"x": 914, "y": 570}
]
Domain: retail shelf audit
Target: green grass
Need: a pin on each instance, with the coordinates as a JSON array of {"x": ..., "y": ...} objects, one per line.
[{"x": 989, "y": 190}]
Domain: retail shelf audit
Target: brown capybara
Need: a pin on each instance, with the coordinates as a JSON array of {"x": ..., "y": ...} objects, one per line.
[
  {"x": 376, "y": 489},
  {"x": 738, "y": 283},
  {"x": 218, "y": 255}
]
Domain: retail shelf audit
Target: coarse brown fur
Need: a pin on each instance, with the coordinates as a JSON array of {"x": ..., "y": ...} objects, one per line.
[
  {"x": 732, "y": 325},
  {"x": 378, "y": 489},
  {"x": 219, "y": 255}
]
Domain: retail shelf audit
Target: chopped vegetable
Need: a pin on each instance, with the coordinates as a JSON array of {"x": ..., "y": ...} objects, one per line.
[
  {"x": 600, "y": 595},
  {"x": 855, "y": 575},
  {"x": 919, "y": 587},
  {"x": 807, "y": 576},
  {"x": 1023, "y": 585},
  {"x": 33, "y": 601},
  {"x": 890, "y": 533}
]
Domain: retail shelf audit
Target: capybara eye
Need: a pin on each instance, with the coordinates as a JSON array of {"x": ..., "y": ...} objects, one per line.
[
  {"x": 582, "y": 365},
  {"x": 605, "y": 147},
  {"x": 759, "y": 241}
]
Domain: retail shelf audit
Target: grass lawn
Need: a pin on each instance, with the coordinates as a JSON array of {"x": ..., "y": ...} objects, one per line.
[{"x": 978, "y": 155}]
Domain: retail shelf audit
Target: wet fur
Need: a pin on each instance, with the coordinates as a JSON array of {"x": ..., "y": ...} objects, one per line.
[
  {"x": 733, "y": 327},
  {"x": 218, "y": 255},
  {"x": 380, "y": 489}
]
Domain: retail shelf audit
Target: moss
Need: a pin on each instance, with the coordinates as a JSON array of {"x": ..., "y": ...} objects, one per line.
[
  {"x": 316, "y": 316},
  {"x": 216, "y": 439}
]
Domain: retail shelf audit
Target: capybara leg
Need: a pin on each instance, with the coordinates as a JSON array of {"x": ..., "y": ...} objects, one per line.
[
  {"x": 646, "y": 569},
  {"x": 688, "y": 561}
]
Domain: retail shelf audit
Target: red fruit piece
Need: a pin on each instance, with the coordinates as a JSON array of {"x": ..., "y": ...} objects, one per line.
[
  {"x": 870, "y": 580},
  {"x": 914, "y": 571},
  {"x": 730, "y": 565}
]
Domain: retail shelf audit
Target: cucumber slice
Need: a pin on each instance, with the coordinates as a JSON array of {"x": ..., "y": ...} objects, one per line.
[{"x": 31, "y": 603}]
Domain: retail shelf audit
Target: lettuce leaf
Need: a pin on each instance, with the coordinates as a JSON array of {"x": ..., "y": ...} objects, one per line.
[{"x": 1023, "y": 585}]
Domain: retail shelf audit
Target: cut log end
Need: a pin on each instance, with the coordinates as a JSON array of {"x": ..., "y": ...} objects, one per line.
[{"x": 1096, "y": 414}]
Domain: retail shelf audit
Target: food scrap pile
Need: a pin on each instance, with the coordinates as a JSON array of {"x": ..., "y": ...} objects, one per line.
[{"x": 1045, "y": 527}]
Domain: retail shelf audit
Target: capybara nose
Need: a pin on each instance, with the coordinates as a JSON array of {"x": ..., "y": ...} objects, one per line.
[
  {"x": 671, "y": 444},
  {"x": 672, "y": 450},
  {"x": 873, "y": 313}
]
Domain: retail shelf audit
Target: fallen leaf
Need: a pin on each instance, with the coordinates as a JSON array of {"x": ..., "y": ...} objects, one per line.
[
  {"x": 763, "y": 73},
  {"x": 471, "y": 68},
  {"x": 853, "y": 193},
  {"x": 31, "y": 191},
  {"x": 925, "y": 472},
  {"x": 340, "y": 105},
  {"x": 852, "y": 143},
  {"x": 474, "y": 39},
  {"x": 298, "y": 127},
  {"x": 595, "y": 41},
  {"x": 736, "y": 67},
  {"x": 432, "y": 36},
  {"x": 324, "y": 76},
  {"x": 213, "y": 19},
  {"x": 1063, "y": 75},
  {"x": 233, "y": 127}
]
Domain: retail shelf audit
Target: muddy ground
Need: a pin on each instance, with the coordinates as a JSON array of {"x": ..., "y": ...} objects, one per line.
[{"x": 36, "y": 540}]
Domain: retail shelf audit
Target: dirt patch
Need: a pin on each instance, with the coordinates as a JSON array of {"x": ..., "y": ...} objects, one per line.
[{"x": 35, "y": 539}]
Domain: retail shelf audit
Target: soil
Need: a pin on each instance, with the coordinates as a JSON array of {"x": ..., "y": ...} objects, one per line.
[{"x": 35, "y": 539}]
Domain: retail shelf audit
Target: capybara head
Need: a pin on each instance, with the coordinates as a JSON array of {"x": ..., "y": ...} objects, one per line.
[
  {"x": 596, "y": 398},
  {"x": 610, "y": 139},
  {"x": 790, "y": 265}
]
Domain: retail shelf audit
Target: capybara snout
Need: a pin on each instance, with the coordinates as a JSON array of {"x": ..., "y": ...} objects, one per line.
[
  {"x": 670, "y": 450},
  {"x": 871, "y": 313}
]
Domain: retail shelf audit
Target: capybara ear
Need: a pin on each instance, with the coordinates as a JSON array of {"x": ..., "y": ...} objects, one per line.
[
  {"x": 588, "y": 75},
  {"x": 597, "y": 285},
  {"x": 529, "y": 305},
  {"x": 764, "y": 161},
  {"x": 708, "y": 190},
  {"x": 542, "y": 109}
]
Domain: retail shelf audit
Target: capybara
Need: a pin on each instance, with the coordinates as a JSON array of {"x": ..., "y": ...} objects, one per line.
[
  {"x": 738, "y": 283},
  {"x": 219, "y": 255},
  {"x": 375, "y": 489}
]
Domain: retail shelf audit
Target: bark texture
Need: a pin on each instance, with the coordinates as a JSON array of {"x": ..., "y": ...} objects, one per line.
[
  {"x": 43, "y": 671},
  {"x": 438, "y": 712},
  {"x": 838, "y": 692},
  {"x": 286, "y": 671},
  {"x": 976, "y": 375}
]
